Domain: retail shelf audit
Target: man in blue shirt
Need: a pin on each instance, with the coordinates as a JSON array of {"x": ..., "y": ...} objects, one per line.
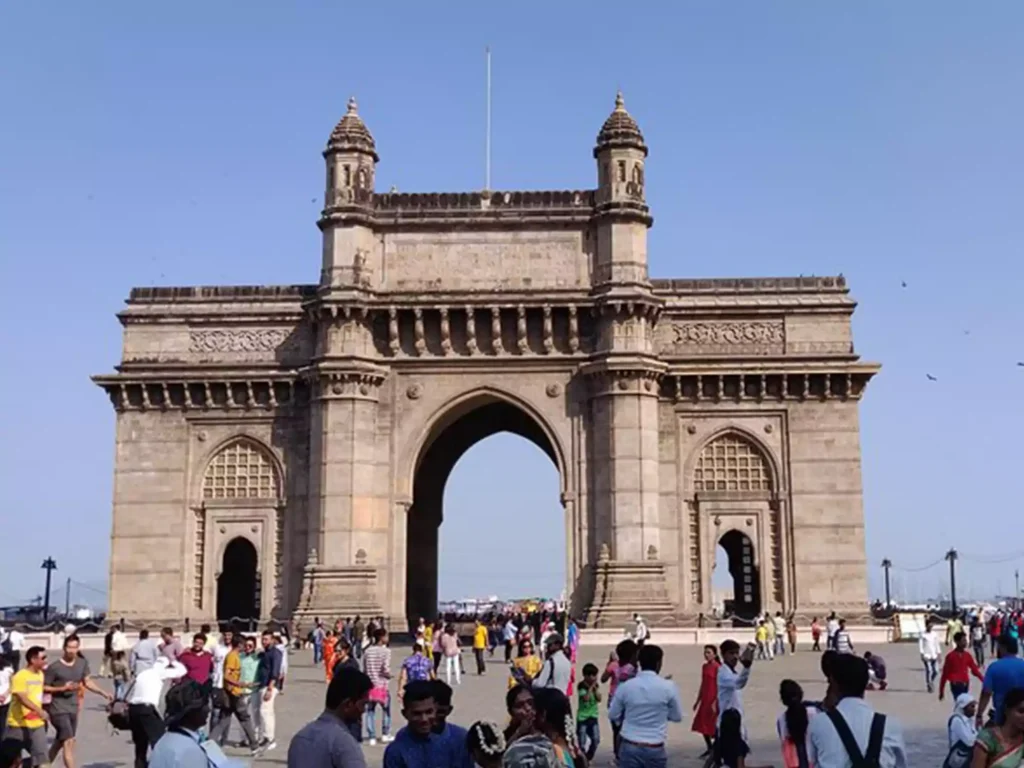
[
  {"x": 643, "y": 708},
  {"x": 452, "y": 736},
  {"x": 416, "y": 745},
  {"x": 1001, "y": 676}
]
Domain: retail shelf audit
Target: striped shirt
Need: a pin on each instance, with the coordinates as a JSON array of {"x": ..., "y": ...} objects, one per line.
[{"x": 377, "y": 665}]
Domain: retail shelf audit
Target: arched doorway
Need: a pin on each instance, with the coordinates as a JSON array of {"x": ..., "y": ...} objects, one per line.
[
  {"x": 470, "y": 423},
  {"x": 746, "y": 583},
  {"x": 238, "y": 585}
]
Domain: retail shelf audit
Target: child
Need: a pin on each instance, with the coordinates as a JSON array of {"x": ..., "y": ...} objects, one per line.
[
  {"x": 120, "y": 673},
  {"x": 588, "y": 729},
  {"x": 731, "y": 749},
  {"x": 486, "y": 743}
]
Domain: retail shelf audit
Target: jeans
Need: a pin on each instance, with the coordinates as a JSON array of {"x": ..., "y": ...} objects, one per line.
[
  {"x": 588, "y": 736},
  {"x": 931, "y": 671},
  {"x": 635, "y": 756},
  {"x": 119, "y": 688},
  {"x": 239, "y": 707},
  {"x": 147, "y": 728},
  {"x": 780, "y": 645},
  {"x": 318, "y": 653},
  {"x": 480, "y": 666},
  {"x": 955, "y": 689},
  {"x": 979, "y": 652},
  {"x": 371, "y": 718},
  {"x": 452, "y": 663}
]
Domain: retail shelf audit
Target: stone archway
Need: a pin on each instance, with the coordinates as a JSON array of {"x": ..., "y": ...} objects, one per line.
[
  {"x": 746, "y": 600},
  {"x": 238, "y": 584},
  {"x": 450, "y": 438}
]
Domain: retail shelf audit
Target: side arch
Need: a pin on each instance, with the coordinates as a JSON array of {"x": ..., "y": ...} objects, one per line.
[{"x": 463, "y": 405}]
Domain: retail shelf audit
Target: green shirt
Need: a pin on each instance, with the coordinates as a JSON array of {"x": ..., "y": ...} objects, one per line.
[
  {"x": 587, "y": 709},
  {"x": 250, "y": 663}
]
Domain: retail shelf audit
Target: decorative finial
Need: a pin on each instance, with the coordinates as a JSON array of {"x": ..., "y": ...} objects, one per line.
[
  {"x": 352, "y": 106},
  {"x": 620, "y": 103}
]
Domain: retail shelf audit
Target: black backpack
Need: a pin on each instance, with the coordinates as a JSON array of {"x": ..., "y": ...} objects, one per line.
[{"x": 857, "y": 759}]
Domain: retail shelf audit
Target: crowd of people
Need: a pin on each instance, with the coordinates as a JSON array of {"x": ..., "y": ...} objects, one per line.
[{"x": 178, "y": 701}]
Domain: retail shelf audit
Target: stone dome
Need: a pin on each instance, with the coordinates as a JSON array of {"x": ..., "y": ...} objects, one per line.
[
  {"x": 620, "y": 129},
  {"x": 351, "y": 133}
]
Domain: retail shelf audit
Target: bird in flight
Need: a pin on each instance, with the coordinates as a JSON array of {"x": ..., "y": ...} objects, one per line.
[
  {"x": 930, "y": 377},
  {"x": 903, "y": 284}
]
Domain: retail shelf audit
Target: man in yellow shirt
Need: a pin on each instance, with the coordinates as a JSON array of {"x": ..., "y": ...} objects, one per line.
[
  {"x": 26, "y": 719},
  {"x": 480, "y": 645}
]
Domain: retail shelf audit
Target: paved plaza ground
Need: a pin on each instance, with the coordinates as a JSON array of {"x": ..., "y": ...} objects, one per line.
[{"x": 923, "y": 717}]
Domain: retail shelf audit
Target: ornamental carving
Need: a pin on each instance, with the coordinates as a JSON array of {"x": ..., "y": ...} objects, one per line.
[
  {"x": 237, "y": 340},
  {"x": 765, "y": 337}
]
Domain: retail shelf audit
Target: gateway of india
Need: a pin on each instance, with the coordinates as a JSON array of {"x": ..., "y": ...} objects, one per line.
[{"x": 282, "y": 451}]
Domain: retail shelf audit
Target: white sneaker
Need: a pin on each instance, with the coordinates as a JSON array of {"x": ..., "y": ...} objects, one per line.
[
  {"x": 373, "y": 742},
  {"x": 387, "y": 738}
]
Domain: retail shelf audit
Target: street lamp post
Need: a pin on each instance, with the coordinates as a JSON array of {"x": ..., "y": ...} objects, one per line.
[{"x": 49, "y": 565}]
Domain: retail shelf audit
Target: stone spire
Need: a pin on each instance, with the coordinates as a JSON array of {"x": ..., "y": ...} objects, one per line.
[
  {"x": 351, "y": 134},
  {"x": 620, "y": 130}
]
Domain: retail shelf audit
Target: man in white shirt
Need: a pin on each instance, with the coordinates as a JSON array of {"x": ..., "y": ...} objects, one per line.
[
  {"x": 508, "y": 634},
  {"x": 780, "y": 633},
  {"x": 643, "y": 707},
  {"x": 17, "y": 641},
  {"x": 733, "y": 676},
  {"x": 831, "y": 628},
  {"x": 930, "y": 648},
  {"x": 147, "y": 690},
  {"x": 640, "y": 633},
  {"x": 220, "y": 652},
  {"x": 853, "y": 725}
]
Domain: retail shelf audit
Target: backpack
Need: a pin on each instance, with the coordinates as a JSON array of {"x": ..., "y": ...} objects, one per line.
[
  {"x": 959, "y": 754},
  {"x": 117, "y": 711},
  {"x": 531, "y": 752},
  {"x": 857, "y": 759}
]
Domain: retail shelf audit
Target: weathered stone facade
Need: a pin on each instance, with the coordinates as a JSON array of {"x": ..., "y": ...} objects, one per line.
[{"x": 305, "y": 433}]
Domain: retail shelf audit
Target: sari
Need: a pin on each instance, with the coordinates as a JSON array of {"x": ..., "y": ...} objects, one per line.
[
  {"x": 329, "y": 643},
  {"x": 999, "y": 754},
  {"x": 530, "y": 666}
]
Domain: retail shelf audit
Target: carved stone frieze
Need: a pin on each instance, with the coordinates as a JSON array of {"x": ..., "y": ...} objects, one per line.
[
  {"x": 723, "y": 337},
  {"x": 237, "y": 340}
]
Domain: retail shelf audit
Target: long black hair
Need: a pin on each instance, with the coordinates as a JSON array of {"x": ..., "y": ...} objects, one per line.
[
  {"x": 730, "y": 746},
  {"x": 792, "y": 696}
]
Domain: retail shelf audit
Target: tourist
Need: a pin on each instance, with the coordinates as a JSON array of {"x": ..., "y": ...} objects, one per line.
[
  {"x": 218, "y": 699},
  {"x": 509, "y": 633},
  {"x": 957, "y": 667},
  {"x": 170, "y": 646},
  {"x": 342, "y": 656},
  {"x": 377, "y": 666},
  {"x": 588, "y": 723},
  {"x": 621, "y": 667},
  {"x": 815, "y": 634},
  {"x": 1002, "y": 675},
  {"x": 641, "y": 634},
  {"x": 731, "y": 747},
  {"x": 6, "y": 673},
  {"x": 791, "y": 725},
  {"x": 705, "y": 721},
  {"x": 954, "y": 627},
  {"x": 929, "y": 646},
  {"x": 316, "y": 637},
  {"x": 143, "y": 705},
  {"x": 961, "y": 729},
  {"x": 331, "y": 641},
  {"x": 281, "y": 647},
  {"x": 267, "y": 678},
  {"x": 450, "y": 649},
  {"x": 26, "y": 718},
  {"x": 978, "y": 641},
  {"x": 238, "y": 686},
  {"x": 831, "y": 627},
  {"x": 526, "y": 666},
  {"x": 733, "y": 676},
  {"x": 1002, "y": 745},
  {"x": 182, "y": 746},
  {"x": 416, "y": 745},
  {"x": 557, "y": 669},
  {"x": 486, "y": 744},
  {"x": 328, "y": 741},
  {"x": 519, "y": 705},
  {"x": 197, "y": 660},
  {"x": 770, "y": 626},
  {"x": 16, "y": 641},
  {"x": 791, "y": 634},
  {"x": 530, "y": 746},
  {"x": 479, "y": 645},
  {"x": 876, "y": 671},
  {"x": 842, "y": 642},
  {"x": 144, "y": 653},
  {"x": 779, "y": 625},
  {"x": 358, "y": 633},
  {"x": 451, "y": 736},
  {"x": 415, "y": 667},
  {"x": 643, "y": 707},
  {"x": 120, "y": 674},
  {"x": 108, "y": 653},
  {"x": 554, "y": 720},
  {"x": 764, "y": 650},
  {"x": 852, "y": 726},
  {"x": 63, "y": 680}
]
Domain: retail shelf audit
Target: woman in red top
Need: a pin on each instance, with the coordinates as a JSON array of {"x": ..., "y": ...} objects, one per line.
[{"x": 706, "y": 705}]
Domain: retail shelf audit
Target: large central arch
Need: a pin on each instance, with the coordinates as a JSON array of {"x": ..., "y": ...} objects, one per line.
[{"x": 453, "y": 432}]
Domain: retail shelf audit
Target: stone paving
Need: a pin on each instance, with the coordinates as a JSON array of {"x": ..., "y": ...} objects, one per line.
[{"x": 923, "y": 717}]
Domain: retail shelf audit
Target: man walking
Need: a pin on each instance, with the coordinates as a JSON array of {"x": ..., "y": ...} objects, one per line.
[
  {"x": 63, "y": 679},
  {"x": 317, "y": 636},
  {"x": 642, "y": 708},
  {"x": 508, "y": 636},
  {"x": 780, "y": 634},
  {"x": 144, "y": 654},
  {"x": 557, "y": 669},
  {"x": 930, "y": 648},
  {"x": 218, "y": 697},
  {"x": 377, "y": 666},
  {"x": 26, "y": 719},
  {"x": 1003, "y": 675},
  {"x": 957, "y": 667},
  {"x": 852, "y": 733},
  {"x": 480, "y": 645},
  {"x": 238, "y": 694},
  {"x": 268, "y": 675}
]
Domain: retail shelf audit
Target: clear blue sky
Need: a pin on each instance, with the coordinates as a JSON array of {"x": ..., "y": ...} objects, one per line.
[{"x": 179, "y": 143}]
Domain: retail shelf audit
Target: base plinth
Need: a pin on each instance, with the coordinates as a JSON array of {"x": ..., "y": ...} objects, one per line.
[{"x": 623, "y": 588}]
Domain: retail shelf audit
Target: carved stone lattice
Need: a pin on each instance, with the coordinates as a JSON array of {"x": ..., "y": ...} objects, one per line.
[
  {"x": 199, "y": 559},
  {"x": 731, "y": 463},
  {"x": 278, "y": 557},
  {"x": 237, "y": 340},
  {"x": 710, "y": 337},
  {"x": 775, "y": 548},
  {"x": 695, "y": 583},
  {"x": 241, "y": 470}
]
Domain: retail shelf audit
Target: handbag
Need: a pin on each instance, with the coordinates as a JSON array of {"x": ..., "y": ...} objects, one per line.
[
  {"x": 379, "y": 695},
  {"x": 959, "y": 756},
  {"x": 117, "y": 711}
]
